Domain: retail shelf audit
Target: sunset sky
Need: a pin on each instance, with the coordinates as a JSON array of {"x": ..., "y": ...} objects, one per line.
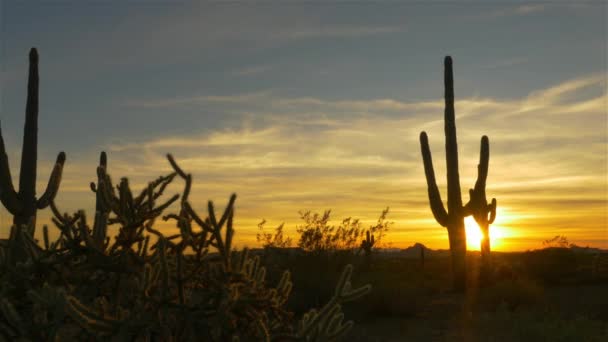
[{"x": 313, "y": 107}]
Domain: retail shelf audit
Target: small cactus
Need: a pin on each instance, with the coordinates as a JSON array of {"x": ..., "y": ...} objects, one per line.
[{"x": 368, "y": 243}]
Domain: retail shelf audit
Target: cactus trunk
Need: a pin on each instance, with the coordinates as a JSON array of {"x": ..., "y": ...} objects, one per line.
[
  {"x": 27, "y": 177},
  {"x": 458, "y": 250},
  {"x": 453, "y": 218}
]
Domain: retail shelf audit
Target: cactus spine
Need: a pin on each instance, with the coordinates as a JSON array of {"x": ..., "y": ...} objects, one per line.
[
  {"x": 453, "y": 217},
  {"x": 23, "y": 204}
]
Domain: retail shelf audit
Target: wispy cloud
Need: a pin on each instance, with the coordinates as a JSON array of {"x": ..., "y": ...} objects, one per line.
[
  {"x": 519, "y": 10},
  {"x": 337, "y": 32},
  {"x": 317, "y": 157},
  {"x": 505, "y": 63},
  {"x": 548, "y": 149},
  {"x": 251, "y": 71}
]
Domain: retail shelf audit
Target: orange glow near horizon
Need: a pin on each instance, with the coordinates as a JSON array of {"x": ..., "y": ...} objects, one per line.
[{"x": 498, "y": 231}]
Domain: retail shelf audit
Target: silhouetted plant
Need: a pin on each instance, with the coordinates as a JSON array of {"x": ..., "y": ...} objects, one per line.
[
  {"x": 559, "y": 241},
  {"x": 276, "y": 240},
  {"x": 483, "y": 213},
  {"x": 78, "y": 288},
  {"x": 453, "y": 217},
  {"x": 24, "y": 203},
  {"x": 380, "y": 229},
  {"x": 368, "y": 243},
  {"x": 83, "y": 286},
  {"x": 318, "y": 236}
]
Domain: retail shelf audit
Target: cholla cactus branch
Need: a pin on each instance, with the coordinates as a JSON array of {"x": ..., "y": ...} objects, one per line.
[
  {"x": 122, "y": 292},
  {"x": 315, "y": 323}
]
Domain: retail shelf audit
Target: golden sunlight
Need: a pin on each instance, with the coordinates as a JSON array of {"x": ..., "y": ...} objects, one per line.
[
  {"x": 473, "y": 234},
  {"x": 499, "y": 230}
]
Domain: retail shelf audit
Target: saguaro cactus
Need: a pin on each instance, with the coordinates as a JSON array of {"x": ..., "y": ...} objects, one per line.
[
  {"x": 368, "y": 243},
  {"x": 483, "y": 212},
  {"x": 23, "y": 204},
  {"x": 102, "y": 212},
  {"x": 453, "y": 217}
]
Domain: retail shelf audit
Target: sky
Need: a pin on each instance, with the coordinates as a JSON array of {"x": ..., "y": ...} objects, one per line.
[{"x": 314, "y": 106}]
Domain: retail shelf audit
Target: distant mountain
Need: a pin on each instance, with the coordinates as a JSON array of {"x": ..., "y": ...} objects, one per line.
[
  {"x": 587, "y": 250},
  {"x": 414, "y": 252}
]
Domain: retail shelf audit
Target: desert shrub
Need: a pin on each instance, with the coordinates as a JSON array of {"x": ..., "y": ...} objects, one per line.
[
  {"x": 269, "y": 240},
  {"x": 552, "y": 265},
  {"x": 144, "y": 286},
  {"x": 318, "y": 236},
  {"x": 559, "y": 241},
  {"x": 380, "y": 229}
]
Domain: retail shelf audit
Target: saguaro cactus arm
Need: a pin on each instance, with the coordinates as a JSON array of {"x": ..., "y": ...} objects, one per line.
[
  {"x": 437, "y": 208},
  {"x": 8, "y": 196},
  {"x": 477, "y": 206},
  {"x": 53, "y": 184}
]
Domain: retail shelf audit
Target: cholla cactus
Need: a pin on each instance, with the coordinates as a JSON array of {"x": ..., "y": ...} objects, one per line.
[
  {"x": 143, "y": 285},
  {"x": 80, "y": 289}
]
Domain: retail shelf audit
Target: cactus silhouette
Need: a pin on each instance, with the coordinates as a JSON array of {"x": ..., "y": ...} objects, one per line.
[
  {"x": 368, "y": 243},
  {"x": 102, "y": 212},
  {"x": 24, "y": 204},
  {"x": 453, "y": 217},
  {"x": 483, "y": 212}
]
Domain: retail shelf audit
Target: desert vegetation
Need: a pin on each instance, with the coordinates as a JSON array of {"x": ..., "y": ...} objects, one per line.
[{"x": 143, "y": 285}]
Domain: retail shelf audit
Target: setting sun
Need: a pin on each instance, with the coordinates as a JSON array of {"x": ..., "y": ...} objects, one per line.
[{"x": 474, "y": 235}]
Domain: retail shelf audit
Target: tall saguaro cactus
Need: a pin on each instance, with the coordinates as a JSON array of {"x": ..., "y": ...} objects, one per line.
[
  {"x": 453, "y": 217},
  {"x": 23, "y": 204}
]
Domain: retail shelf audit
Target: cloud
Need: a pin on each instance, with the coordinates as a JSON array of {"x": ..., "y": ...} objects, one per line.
[
  {"x": 527, "y": 9},
  {"x": 505, "y": 63},
  {"x": 353, "y": 155},
  {"x": 315, "y": 32},
  {"x": 520, "y": 10},
  {"x": 251, "y": 71}
]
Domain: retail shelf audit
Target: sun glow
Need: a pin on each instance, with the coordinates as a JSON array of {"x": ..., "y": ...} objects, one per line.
[
  {"x": 499, "y": 231},
  {"x": 474, "y": 235}
]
